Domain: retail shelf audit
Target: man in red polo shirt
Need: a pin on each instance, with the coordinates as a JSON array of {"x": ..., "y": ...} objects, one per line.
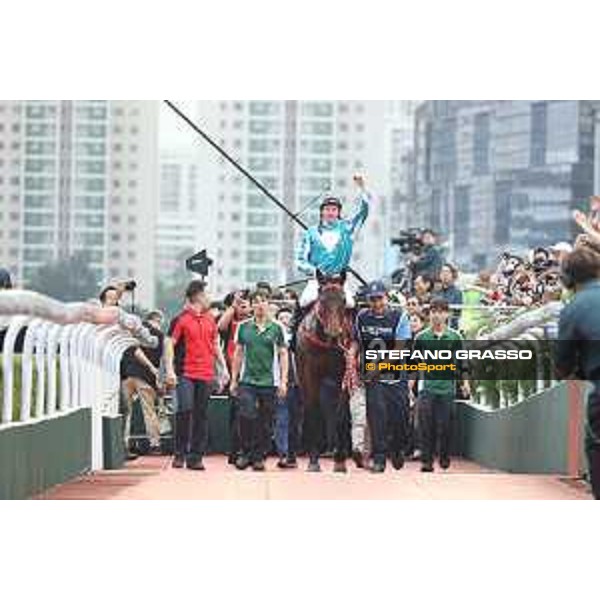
[{"x": 193, "y": 340}]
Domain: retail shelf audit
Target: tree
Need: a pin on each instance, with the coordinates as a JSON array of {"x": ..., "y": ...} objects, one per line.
[{"x": 70, "y": 279}]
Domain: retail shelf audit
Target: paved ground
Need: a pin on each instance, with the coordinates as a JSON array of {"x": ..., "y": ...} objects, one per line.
[{"x": 151, "y": 478}]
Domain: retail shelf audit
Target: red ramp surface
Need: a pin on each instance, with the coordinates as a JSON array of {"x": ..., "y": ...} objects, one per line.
[{"x": 152, "y": 478}]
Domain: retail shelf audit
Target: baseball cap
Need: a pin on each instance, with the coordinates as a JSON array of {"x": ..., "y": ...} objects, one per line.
[{"x": 376, "y": 288}]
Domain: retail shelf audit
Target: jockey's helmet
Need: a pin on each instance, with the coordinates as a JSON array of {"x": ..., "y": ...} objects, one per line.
[{"x": 330, "y": 200}]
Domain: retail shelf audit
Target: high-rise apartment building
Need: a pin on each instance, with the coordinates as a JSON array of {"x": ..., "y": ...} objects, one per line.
[
  {"x": 182, "y": 226},
  {"x": 79, "y": 176},
  {"x": 400, "y": 133}
]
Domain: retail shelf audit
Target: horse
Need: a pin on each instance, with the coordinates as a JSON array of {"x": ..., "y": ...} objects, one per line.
[{"x": 324, "y": 338}]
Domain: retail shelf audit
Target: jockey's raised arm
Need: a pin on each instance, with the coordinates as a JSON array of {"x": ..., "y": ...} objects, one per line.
[
  {"x": 357, "y": 220},
  {"x": 327, "y": 247}
]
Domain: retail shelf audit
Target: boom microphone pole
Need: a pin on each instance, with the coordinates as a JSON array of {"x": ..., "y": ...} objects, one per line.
[{"x": 245, "y": 172}]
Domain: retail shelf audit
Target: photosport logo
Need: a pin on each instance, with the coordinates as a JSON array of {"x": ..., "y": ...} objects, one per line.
[{"x": 474, "y": 359}]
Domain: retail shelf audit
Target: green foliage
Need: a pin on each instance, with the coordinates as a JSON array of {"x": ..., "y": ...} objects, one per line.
[
  {"x": 69, "y": 280},
  {"x": 17, "y": 387}
]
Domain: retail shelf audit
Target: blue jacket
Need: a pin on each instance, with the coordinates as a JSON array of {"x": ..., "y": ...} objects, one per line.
[{"x": 328, "y": 248}]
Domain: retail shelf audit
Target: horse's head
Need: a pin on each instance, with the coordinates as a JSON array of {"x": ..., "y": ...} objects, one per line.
[{"x": 331, "y": 307}]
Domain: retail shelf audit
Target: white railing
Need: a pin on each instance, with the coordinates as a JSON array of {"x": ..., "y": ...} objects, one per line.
[
  {"x": 534, "y": 325},
  {"x": 70, "y": 359}
]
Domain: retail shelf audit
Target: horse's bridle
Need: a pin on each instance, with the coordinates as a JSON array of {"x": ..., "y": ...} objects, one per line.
[{"x": 328, "y": 343}]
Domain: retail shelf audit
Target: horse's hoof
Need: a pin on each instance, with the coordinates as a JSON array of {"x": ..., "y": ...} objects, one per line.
[
  {"x": 313, "y": 467},
  {"x": 340, "y": 467}
]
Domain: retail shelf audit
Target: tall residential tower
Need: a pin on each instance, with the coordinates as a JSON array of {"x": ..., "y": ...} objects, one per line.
[{"x": 79, "y": 176}]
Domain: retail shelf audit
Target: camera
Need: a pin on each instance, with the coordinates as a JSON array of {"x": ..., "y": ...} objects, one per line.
[
  {"x": 130, "y": 285},
  {"x": 409, "y": 241}
]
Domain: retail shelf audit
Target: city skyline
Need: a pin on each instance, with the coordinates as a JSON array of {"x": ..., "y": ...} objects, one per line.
[{"x": 487, "y": 175}]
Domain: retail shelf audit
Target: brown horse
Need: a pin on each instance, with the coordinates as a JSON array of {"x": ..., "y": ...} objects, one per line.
[{"x": 323, "y": 338}]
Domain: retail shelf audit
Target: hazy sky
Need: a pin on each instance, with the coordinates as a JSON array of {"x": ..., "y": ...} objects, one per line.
[{"x": 174, "y": 133}]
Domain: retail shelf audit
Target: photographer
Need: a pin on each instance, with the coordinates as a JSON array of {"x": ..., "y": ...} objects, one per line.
[
  {"x": 140, "y": 377},
  {"x": 429, "y": 261},
  {"x": 111, "y": 295}
]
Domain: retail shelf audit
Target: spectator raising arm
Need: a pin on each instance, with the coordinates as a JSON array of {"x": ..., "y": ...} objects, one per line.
[{"x": 357, "y": 220}]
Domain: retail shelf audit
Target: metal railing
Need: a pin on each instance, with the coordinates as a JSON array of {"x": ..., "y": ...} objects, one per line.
[
  {"x": 535, "y": 325},
  {"x": 69, "y": 358}
]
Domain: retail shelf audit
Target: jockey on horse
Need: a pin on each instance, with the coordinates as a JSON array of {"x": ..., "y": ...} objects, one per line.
[
  {"x": 326, "y": 249},
  {"x": 323, "y": 339}
]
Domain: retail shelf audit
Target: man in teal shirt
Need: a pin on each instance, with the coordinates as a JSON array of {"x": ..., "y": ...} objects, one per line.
[{"x": 436, "y": 397}]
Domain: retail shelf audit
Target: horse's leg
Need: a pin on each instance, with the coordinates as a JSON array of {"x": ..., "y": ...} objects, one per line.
[
  {"x": 342, "y": 424},
  {"x": 342, "y": 418},
  {"x": 312, "y": 412}
]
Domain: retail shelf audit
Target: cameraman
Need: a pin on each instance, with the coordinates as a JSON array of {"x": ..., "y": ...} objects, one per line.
[
  {"x": 111, "y": 295},
  {"x": 429, "y": 261},
  {"x": 140, "y": 377}
]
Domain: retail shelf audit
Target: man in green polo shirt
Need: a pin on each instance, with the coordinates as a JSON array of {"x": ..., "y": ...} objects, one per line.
[
  {"x": 259, "y": 376},
  {"x": 438, "y": 391}
]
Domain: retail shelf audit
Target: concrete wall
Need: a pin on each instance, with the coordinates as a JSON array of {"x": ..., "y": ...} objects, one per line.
[
  {"x": 37, "y": 455},
  {"x": 542, "y": 434}
]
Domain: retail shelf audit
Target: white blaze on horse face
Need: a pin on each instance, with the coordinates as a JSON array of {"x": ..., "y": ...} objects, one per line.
[{"x": 329, "y": 239}]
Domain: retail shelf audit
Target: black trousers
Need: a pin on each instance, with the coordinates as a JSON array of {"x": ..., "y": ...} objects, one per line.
[
  {"x": 191, "y": 418},
  {"x": 435, "y": 418},
  {"x": 387, "y": 415},
  {"x": 592, "y": 440},
  {"x": 234, "y": 427},
  {"x": 256, "y": 405}
]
